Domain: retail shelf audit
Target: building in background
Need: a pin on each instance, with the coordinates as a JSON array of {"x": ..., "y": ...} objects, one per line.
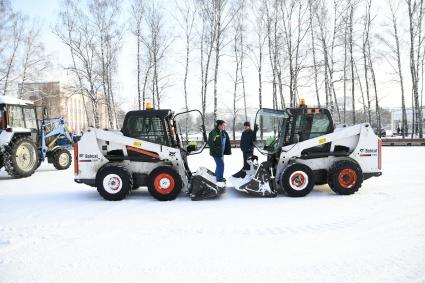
[{"x": 59, "y": 102}]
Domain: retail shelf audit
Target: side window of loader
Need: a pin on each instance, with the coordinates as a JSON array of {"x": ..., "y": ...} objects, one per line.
[
  {"x": 16, "y": 118},
  {"x": 147, "y": 128},
  {"x": 320, "y": 125},
  {"x": 30, "y": 120}
]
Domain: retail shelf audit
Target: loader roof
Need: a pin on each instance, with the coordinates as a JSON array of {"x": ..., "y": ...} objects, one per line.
[
  {"x": 160, "y": 113},
  {"x": 14, "y": 101}
]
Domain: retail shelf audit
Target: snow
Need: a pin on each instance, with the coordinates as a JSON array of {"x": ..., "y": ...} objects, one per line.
[
  {"x": 14, "y": 101},
  {"x": 52, "y": 229}
]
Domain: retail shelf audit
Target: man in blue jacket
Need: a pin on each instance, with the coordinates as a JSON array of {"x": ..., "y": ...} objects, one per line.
[
  {"x": 247, "y": 143},
  {"x": 219, "y": 143}
]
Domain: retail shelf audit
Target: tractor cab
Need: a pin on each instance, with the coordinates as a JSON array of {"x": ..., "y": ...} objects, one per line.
[
  {"x": 279, "y": 128},
  {"x": 18, "y": 116},
  {"x": 185, "y": 130}
]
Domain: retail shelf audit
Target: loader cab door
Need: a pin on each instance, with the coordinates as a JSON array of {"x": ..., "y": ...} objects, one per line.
[
  {"x": 189, "y": 129},
  {"x": 272, "y": 130}
]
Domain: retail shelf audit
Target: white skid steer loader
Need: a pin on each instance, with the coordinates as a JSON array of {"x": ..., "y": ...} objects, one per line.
[
  {"x": 304, "y": 149},
  {"x": 151, "y": 150}
]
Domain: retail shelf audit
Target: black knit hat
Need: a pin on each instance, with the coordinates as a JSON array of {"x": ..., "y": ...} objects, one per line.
[
  {"x": 219, "y": 123},
  {"x": 246, "y": 124}
]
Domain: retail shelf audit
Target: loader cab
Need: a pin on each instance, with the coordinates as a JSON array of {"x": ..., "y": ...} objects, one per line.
[
  {"x": 184, "y": 130},
  {"x": 149, "y": 125},
  {"x": 279, "y": 128}
]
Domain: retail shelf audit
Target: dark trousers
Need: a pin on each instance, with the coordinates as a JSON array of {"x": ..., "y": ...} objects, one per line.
[
  {"x": 219, "y": 168},
  {"x": 246, "y": 155}
]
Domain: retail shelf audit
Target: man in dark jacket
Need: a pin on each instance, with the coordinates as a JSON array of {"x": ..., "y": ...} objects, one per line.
[
  {"x": 247, "y": 143},
  {"x": 219, "y": 143}
]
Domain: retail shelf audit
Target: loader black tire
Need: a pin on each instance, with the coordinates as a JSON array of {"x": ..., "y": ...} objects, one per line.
[
  {"x": 62, "y": 159},
  {"x": 345, "y": 177},
  {"x": 297, "y": 180},
  {"x": 164, "y": 183},
  {"x": 114, "y": 182},
  {"x": 21, "y": 157}
]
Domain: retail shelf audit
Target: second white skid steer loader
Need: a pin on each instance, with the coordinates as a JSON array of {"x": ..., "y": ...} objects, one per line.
[
  {"x": 304, "y": 149},
  {"x": 151, "y": 150}
]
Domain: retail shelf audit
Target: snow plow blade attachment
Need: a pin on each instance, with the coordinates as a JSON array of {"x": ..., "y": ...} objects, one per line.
[
  {"x": 261, "y": 184},
  {"x": 203, "y": 185}
]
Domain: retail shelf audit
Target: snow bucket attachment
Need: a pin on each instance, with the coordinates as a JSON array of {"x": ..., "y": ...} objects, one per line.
[
  {"x": 262, "y": 183},
  {"x": 203, "y": 185}
]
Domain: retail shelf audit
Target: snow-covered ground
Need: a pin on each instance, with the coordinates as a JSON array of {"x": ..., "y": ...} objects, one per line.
[{"x": 54, "y": 230}]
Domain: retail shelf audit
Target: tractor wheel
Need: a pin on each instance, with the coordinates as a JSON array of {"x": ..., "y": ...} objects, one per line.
[
  {"x": 164, "y": 183},
  {"x": 297, "y": 180},
  {"x": 62, "y": 159},
  {"x": 21, "y": 157},
  {"x": 345, "y": 177},
  {"x": 39, "y": 163},
  {"x": 114, "y": 182}
]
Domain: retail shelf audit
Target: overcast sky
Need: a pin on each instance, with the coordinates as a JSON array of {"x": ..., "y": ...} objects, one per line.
[{"x": 47, "y": 12}]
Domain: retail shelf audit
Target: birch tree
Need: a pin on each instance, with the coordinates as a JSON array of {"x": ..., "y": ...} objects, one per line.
[
  {"x": 295, "y": 24},
  {"x": 75, "y": 31},
  {"x": 256, "y": 49},
  {"x": 136, "y": 20},
  {"x": 415, "y": 12},
  {"x": 223, "y": 16},
  {"x": 14, "y": 39},
  {"x": 104, "y": 17},
  {"x": 312, "y": 6},
  {"x": 156, "y": 41},
  {"x": 186, "y": 21},
  {"x": 34, "y": 60},
  {"x": 206, "y": 45}
]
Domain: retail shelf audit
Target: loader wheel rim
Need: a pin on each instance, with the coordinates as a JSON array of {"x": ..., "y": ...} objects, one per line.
[
  {"x": 298, "y": 180},
  {"x": 112, "y": 183},
  {"x": 347, "y": 178},
  {"x": 25, "y": 157},
  {"x": 63, "y": 159},
  {"x": 164, "y": 183}
]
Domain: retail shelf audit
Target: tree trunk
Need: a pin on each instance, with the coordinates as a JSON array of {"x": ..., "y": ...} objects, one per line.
[
  {"x": 352, "y": 65},
  {"x": 138, "y": 71},
  {"x": 361, "y": 90},
  {"x": 104, "y": 82},
  {"x": 345, "y": 74},
  {"x": 186, "y": 71},
  {"x": 242, "y": 73},
  {"x": 369, "y": 118},
  {"x": 10, "y": 63},
  {"x": 313, "y": 47},
  {"x": 217, "y": 57},
  {"x": 378, "y": 111}
]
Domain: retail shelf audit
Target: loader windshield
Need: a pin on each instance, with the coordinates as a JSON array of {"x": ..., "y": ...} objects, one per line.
[{"x": 272, "y": 128}]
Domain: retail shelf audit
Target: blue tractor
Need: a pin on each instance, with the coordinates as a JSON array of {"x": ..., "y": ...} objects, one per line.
[{"x": 26, "y": 142}]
